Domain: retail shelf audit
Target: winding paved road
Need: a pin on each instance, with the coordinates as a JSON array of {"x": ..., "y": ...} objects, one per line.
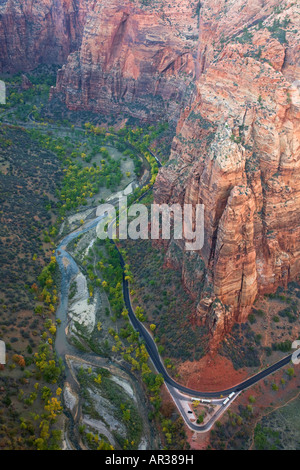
[{"x": 156, "y": 359}]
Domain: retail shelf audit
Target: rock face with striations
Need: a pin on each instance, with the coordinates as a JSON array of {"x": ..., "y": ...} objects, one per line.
[
  {"x": 238, "y": 153},
  {"x": 34, "y": 32},
  {"x": 134, "y": 59}
]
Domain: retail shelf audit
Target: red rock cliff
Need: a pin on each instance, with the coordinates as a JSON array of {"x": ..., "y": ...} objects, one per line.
[
  {"x": 238, "y": 153},
  {"x": 34, "y": 32},
  {"x": 134, "y": 58}
]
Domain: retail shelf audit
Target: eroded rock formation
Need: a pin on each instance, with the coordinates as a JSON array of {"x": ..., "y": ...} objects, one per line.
[
  {"x": 238, "y": 153},
  {"x": 134, "y": 59},
  {"x": 34, "y": 32}
]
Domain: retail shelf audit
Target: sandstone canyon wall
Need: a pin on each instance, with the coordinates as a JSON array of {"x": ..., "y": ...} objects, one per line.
[
  {"x": 34, "y": 32},
  {"x": 136, "y": 58},
  {"x": 238, "y": 153}
]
